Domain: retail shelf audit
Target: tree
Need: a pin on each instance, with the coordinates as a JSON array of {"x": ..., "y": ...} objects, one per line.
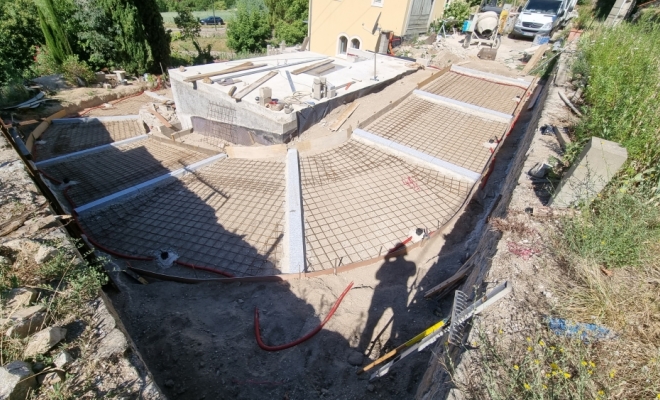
[
  {"x": 249, "y": 30},
  {"x": 95, "y": 38},
  {"x": 55, "y": 38},
  {"x": 287, "y": 17},
  {"x": 157, "y": 37},
  {"x": 20, "y": 40},
  {"x": 128, "y": 34},
  {"x": 190, "y": 28}
]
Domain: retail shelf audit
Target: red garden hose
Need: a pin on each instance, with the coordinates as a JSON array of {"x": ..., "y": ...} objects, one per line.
[
  {"x": 302, "y": 339},
  {"x": 193, "y": 266}
]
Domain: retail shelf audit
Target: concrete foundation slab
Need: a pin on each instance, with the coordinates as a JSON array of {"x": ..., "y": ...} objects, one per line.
[{"x": 255, "y": 123}]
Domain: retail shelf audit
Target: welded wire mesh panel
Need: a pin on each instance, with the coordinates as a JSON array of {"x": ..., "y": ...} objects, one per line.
[
  {"x": 221, "y": 125},
  {"x": 226, "y": 216},
  {"x": 359, "y": 202}
]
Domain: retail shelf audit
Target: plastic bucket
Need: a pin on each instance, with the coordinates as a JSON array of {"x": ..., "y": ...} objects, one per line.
[{"x": 466, "y": 25}]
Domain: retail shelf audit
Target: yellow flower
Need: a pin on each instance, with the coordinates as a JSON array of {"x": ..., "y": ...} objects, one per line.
[
  {"x": 591, "y": 364},
  {"x": 601, "y": 393},
  {"x": 516, "y": 367},
  {"x": 547, "y": 375},
  {"x": 590, "y": 372},
  {"x": 500, "y": 331},
  {"x": 554, "y": 366},
  {"x": 527, "y": 387},
  {"x": 541, "y": 343},
  {"x": 658, "y": 396},
  {"x": 552, "y": 348},
  {"x": 567, "y": 375},
  {"x": 529, "y": 348},
  {"x": 612, "y": 373},
  {"x": 536, "y": 362},
  {"x": 529, "y": 339},
  {"x": 545, "y": 387},
  {"x": 584, "y": 363}
]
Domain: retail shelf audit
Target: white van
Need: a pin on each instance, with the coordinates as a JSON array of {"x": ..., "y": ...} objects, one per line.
[{"x": 541, "y": 17}]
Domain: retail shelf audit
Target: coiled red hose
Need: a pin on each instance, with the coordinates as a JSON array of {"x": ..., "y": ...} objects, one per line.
[{"x": 316, "y": 330}]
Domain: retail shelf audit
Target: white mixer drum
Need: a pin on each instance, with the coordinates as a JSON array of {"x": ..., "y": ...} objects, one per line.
[{"x": 487, "y": 23}]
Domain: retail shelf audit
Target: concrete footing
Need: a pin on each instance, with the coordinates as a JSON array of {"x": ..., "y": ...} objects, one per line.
[
  {"x": 293, "y": 260},
  {"x": 148, "y": 185},
  {"x": 416, "y": 156}
]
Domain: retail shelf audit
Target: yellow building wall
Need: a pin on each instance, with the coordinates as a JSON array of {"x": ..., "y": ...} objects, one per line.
[
  {"x": 333, "y": 18},
  {"x": 438, "y": 9}
]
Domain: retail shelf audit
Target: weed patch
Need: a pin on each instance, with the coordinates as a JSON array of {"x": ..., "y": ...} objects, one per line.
[
  {"x": 620, "y": 70},
  {"x": 617, "y": 230}
]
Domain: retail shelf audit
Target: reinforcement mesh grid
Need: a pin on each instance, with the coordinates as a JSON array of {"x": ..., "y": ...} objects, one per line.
[
  {"x": 359, "y": 202},
  {"x": 109, "y": 171},
  {"x": 227, "y": 216}
]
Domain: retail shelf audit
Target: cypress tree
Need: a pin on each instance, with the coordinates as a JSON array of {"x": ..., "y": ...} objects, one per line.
[
  {"x": 56, "y": 40},
  {"x": 157, "y": 37}
]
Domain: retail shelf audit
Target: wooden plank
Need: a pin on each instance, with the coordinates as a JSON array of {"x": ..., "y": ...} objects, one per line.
[
  {"x": 238, "y": 68},
  {"x": 160, "y": 118},
  {"x": 254, "y": 85},
  {"x": 343, "y": 117},
  {"x": 535, "y": 59},
  {"x": 310, "y": 67},
  {"x": 444, "y": 287},
  {"x": 40, "y": 129},
  {"x": 303, "y": 46},
  {"x": 321, "y": 69}
]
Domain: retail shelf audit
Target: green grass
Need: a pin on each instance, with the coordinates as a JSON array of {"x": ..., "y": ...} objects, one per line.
[
  {"x": 620, "y": 68},
  {"x": 617, "y": 230},
  {"x": 168, "y": 17}
]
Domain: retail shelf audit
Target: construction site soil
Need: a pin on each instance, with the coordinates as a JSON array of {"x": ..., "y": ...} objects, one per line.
[{"x": 198, "y": 340}]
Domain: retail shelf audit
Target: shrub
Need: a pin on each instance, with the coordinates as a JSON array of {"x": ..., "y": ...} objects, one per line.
[
  {"x": 249, "y": 30},
  {"x": 457, "y": 12},
  {"x": 73, "y": 68}
]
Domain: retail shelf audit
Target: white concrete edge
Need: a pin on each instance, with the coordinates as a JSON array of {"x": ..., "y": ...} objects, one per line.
[
  {"x": 90, "y": 151},
  {"x": 417, "y": 156},
  {"x": 152, "y": 182},
  {"x": 263, "y": 69},
  {"x": 490, "y": 77},
  {"x": 94, "y": 119},
  {"x": 294, "y": 260},
  {"x": 466, "y": 107},
  {"x": 156, "y": 96}
]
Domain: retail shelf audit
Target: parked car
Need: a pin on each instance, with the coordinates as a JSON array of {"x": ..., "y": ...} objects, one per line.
[
  {"x": 542, "y": 17},
  {"x": 212, "y": 21}
]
